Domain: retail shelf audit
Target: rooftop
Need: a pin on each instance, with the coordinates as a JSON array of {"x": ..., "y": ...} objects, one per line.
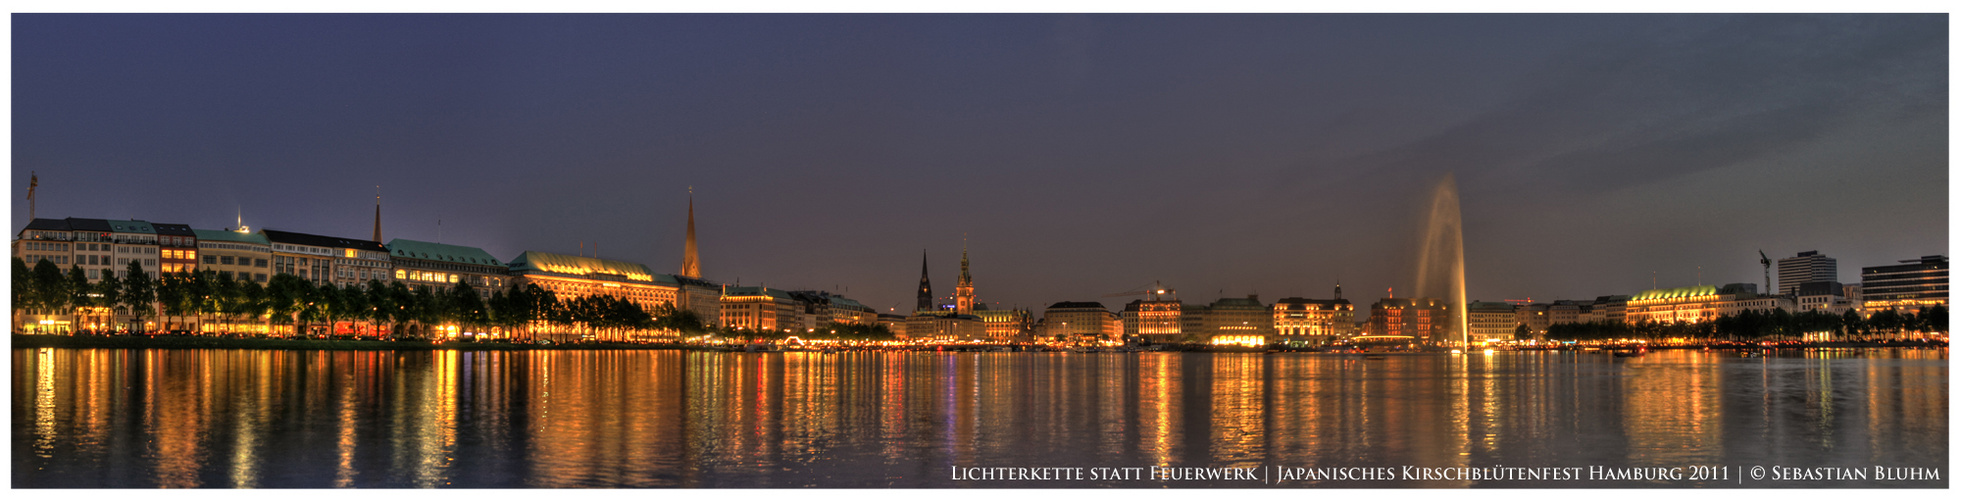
[
  {"x": 230, "y": 236},
  {"x": 411, "y": 249},
  {"x": 289, "y": 237},
  {"x": 583, "y": 267}
]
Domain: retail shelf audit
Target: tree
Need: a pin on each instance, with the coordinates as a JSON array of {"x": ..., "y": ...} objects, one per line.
[
  {"x": 21, "y": 283},
  {"x": 139, "y": 292},
  {"x": 109, "y": 295},
  {"x": 1522, "y": 332},
  {"x": 50, "y": 287},
  {"x": 80, "y": 294}
]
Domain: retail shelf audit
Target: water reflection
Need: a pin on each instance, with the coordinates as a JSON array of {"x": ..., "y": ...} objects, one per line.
[{"x": 190, "y": 418}]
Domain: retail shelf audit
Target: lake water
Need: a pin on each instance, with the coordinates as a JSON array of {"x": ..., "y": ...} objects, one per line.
[{"x": 244, "y": 418}]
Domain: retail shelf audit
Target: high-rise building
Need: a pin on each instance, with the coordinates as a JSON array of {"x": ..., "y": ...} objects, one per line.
[
  {"x": 1805, "y": 268},
  {"x": 1907, "y": 286}
]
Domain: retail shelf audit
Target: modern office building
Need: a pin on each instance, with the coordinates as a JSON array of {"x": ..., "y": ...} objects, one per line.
[
  {"x": 1807, "y": 267},
  {"x": 439, "y": 265},
  {"x": 1907, "y": 286}
]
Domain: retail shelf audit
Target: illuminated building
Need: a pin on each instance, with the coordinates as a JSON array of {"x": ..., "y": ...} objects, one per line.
[
  {"x": 1080, "y": 322},
  {"x": 1693, "y": 304},
  {"x": 701, "y": 296},
  {"x": 1312, "y": 322},
  {"x": 572, "y": 277},
  {"x": 326, "y": 259},
  {"x": 1535, "y": 318},
  {"x": 690, "y": 260},
  {"x": 760, "y": 308},
  {"x": 1907, "y": 287},
  {"x": 1235, "y": 321},
  {"x": 1422, "y": 318},
  {"x": 1011, "y": 325},
  {"x": 894, "y": 323},
  {"x": 1807, "y": 267},
  {"x": 242, "y": 256},
  {"x": 176, "y": 248},
  {"x": 963, "y": 289},
  {"x": 945, "y": 327},
  {"x": 1155, "y": 321},
  {"x": 1492, "y": 321},
  {"x": 438, "y": 265}
]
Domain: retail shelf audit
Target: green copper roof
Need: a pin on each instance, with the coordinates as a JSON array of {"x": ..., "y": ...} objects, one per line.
[
  {"x": 131, "y": 226},
  {"x": 570, "y": 265},
  {"x": 411, "y": 249},
  {"x": 231, "y": 236},
  {"x": 1670, "y": 293}
]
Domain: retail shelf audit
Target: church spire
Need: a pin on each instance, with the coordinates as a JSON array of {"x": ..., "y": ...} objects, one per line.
[
  {"x": 925, "y": 285},
  {"x": 690, "y": 261},
  {"x": 377, "y": 214}
]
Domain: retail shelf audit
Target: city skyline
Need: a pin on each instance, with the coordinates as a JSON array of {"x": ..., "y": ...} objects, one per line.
[{"x": 518, "y": 158}]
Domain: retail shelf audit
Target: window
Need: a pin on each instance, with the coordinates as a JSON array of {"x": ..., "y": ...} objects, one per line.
[
  {"x": 213, "y": 259},
  {"x": 259, "y": 277},
  {"x": 259, "y": 263}
]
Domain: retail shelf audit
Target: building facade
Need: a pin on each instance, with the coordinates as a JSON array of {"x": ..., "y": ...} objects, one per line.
[
  {"x": 437, "y": 265},
  {"x": 1418, "y": 318},
  {"x": 1807, "y": 267},
  {"x": 240, "y": 256},
  {"x": 1908, "y": 286},
  {"x": 1492, "y": 321},
  {"x": 1301, "y": 322},
  {"x": 1080, "y": 322},
  {"x": 1154, "y": 321},
  {"x": 761, "y": 309},
  {"x": 572, "y": 277},
  {"x": 176, "y": 248}
]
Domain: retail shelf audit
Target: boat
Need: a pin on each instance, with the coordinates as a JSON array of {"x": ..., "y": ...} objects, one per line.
[{"x": 1631, "y": 353}]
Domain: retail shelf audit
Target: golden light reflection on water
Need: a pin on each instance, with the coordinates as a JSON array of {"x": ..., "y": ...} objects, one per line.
[{"x": 184, "y": 418}]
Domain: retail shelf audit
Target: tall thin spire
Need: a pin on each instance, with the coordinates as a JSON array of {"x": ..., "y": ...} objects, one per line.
[
  {"x": 690, "y": 261},
  {"x": 33, "y": 181},
  {"x": 377, "y": 214},
  {"x": 925, "y": 285}
]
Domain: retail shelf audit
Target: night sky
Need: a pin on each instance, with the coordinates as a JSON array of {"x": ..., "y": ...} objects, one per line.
[{"x": 1079, "y": 155}]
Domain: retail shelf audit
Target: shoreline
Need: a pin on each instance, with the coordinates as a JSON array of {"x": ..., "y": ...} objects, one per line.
[{"x": 21, "y": 341}]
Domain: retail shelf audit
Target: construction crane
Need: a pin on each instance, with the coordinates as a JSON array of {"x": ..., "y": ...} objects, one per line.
[{"x": 1156, "y": 291}]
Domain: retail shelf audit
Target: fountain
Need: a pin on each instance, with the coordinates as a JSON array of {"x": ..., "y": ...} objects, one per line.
[{"x": 1440, "y": 265}]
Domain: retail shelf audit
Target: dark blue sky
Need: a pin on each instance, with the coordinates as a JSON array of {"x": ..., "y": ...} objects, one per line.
[{"x": 1080, "y": 154}]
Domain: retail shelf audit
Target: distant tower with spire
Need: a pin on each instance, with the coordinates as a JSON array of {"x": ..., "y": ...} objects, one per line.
[
  {"x": 963, "y": 290},
  {"x": 377, "y": 214},
  {"x": 925, "y": 285},
  {"x": 691, "y": 261}
]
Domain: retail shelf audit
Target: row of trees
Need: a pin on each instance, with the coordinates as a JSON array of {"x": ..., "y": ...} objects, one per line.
[
  {"x": 181, "y": 301},
  {"x": 1753, "y": 324}
]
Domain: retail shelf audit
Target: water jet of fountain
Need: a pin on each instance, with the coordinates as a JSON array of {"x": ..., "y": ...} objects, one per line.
[{"x": 1440, "y": 266}]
